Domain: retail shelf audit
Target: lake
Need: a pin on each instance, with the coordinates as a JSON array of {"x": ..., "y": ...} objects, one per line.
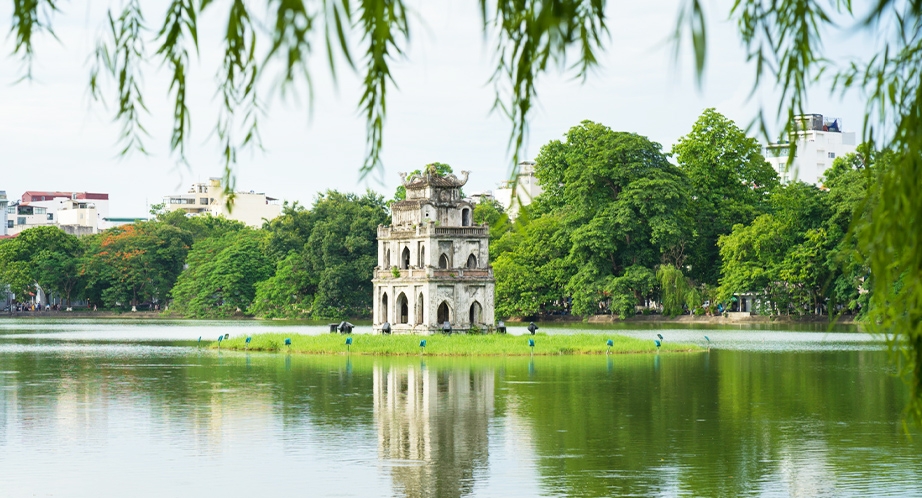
[{"x": 137, "y": 408}]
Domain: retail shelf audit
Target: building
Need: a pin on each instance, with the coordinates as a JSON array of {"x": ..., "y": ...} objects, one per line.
[
  {"x": 3, "y": 205},
  {"x": 819, "y": 142},
  {"x": 433, "y": 261},
  {"x": 514, "y": 194},
  {"x": 77, "y": 213},
  {"x": 251, "y": 208}
]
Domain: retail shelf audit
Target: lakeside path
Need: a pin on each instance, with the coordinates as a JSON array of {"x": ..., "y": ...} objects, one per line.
[{"x": 452, "y": 345}]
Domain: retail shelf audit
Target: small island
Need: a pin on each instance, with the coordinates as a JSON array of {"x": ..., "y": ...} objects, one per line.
[{"x": 453, "y": 345}]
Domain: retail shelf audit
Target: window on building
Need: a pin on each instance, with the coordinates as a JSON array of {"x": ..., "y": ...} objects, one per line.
[
  {"x": 50, "y": 216},
  {"x": 203, "y": 201},
  {"x": 21, "y": 220},
  {"x": 832, "y": 155},
  {"x": 9, "y": 223}
]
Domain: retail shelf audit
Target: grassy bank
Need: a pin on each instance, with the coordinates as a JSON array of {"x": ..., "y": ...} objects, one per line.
[{"x": 453, "y": 345}]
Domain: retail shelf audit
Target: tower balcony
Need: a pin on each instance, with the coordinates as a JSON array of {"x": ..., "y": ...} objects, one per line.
[
  {"x": 434, "y": 273},
  {"x": 431, "y": 230}
]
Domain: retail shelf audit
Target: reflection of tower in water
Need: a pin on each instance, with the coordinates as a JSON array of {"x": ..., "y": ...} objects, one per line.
[{"x": 432, "y": 426}]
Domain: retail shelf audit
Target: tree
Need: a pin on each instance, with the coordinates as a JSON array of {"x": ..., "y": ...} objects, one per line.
[
  {"x": 528, "y": 35},
  {"x": 491, "y": 212},
  {"x": 43, "y": 256},
  {"x": 535, "y": 272},
  {"x": 131, "y": 264},
  {"x": 624, "y": 207},
  {"x": 221, "y": 274},
  {"x": 439, "y": 169},
  {"x": 730, "y": 182},
  {"x": 330, "y": 253}
]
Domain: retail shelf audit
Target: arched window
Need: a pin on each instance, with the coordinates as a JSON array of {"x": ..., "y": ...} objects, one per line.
[
  {"x": 422, "y": 257},
  {"x": 444, "y": 314},
  {"x": 472, "y": 261},
  {"x": 420, "y": 305},
  {"x": 443, "y": 262},
  {"x": 403, "y": 310},
  {"x": 475, "y": 313},
  {"x": 387, "y": 258},
  {"x": 405, "y": 258},
  {"x": 465, "y": 217},
  {"x": 384, "y": 308}
]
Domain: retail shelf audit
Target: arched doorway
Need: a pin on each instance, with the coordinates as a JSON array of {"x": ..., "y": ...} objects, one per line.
[
  {"x": 476, "y": 313},
  {"x": 472, "y": 261},
  {"x": 422, "y": 257},
  {"x": 384, "y": 308},
  {"x": 403, "y": 309},
  {"x": 405, "y": 258},
  {"x": 443, "y": 262},
  {"x": 444, "y": 314},
  {"x": 465, "y": 217},
  {"x": 420, "y": 306}
]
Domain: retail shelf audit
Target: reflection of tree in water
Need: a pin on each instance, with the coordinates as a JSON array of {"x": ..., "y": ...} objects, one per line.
[{"x": 432, "y": 426}]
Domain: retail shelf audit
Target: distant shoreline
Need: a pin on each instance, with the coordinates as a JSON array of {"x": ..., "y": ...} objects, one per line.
[{"x": 732, "y": 319}]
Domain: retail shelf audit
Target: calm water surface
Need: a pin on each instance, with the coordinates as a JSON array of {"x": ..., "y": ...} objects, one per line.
[{"x": 137, "y": 409}]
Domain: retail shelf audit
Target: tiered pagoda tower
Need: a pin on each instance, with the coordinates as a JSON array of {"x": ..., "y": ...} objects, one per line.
[{"x": 433, "y": 261}]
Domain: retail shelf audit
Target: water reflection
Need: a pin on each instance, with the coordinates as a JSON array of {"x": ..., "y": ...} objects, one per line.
[
  {"x": 85, "y": 418},
  {"x": 432, "y": 426}
]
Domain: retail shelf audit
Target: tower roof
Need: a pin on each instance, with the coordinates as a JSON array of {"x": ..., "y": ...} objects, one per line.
[{"x": 430, "y": 178}]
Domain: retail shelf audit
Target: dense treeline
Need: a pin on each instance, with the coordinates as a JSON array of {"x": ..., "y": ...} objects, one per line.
[{"x": 618, "y": 226}]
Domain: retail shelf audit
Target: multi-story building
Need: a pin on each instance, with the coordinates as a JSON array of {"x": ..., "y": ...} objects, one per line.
[
  {"x": 77, "y": 213},
  {"x": 515, "y": 194},
  {"x": 3, "y": 205},
  {"x": 250, "y": 207},
  {"x": 433, "y": 261},
  {"x": 818, "y": 143}
]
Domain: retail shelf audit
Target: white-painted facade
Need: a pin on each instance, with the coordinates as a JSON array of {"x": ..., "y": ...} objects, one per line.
[
  {"x": 818, "y": 141},
  {"x": 77, "y": 213},
  {"x": 514, "y": 194},
  {"x": 433, "y": 261},
  {"x": 251, "y": 208},
  {"x": 4, "y": 202}
]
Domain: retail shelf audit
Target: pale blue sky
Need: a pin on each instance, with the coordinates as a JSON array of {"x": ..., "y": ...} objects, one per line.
[{"x": 53, "y": 138}]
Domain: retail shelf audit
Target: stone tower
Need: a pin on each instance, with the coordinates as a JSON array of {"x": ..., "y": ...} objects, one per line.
[{"x": 433, "y": 261}]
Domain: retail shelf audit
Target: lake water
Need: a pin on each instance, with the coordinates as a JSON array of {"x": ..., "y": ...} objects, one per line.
[{"x": 138, "y": 409}]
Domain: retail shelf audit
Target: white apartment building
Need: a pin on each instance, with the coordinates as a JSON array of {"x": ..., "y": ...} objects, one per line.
[
  {"x": 77, "y": 213},
  {"x": 3, "y": 205},
  {"x": 819, "y": 142},
  {"x": 526, "y": 188},
  {"x": 251, "y": 208}
]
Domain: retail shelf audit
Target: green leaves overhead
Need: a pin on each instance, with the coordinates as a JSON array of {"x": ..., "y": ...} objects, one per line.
[{"x": 532, "y": 37}]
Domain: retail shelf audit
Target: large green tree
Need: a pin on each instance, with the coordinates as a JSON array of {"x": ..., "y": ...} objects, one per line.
[
  {"x": 624, "y": 206},
  {"x": 332, "y": 251},
  {"x": 43, "y": 256},
  {"x": 730, "y": 183},
  {"x": 131, "y": 264},
  {"x": 221, "y": 274}
]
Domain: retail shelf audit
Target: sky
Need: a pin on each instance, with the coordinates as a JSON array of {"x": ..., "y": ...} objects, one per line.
[{"x": 54, "y": 137}]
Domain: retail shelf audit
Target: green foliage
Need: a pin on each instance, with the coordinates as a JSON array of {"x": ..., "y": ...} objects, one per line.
[
  {"x": 439, "y": 169},
  {"x": 131, "y": 264},
  {"x": 331, "y": 254},
  {"x": 43, "y": 256},
  {"x": 675, "y": 290},
  {"x": 491, "y": 212},
  {"x": 535, "y": 271},
  {"x": 624, "y": 208},
  {"x": 221, "y": 274},
  {"x": 730, "y": 181}
]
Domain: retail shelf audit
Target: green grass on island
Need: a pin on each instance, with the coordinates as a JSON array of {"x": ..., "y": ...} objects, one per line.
[{"x": 452, "y": 345}]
